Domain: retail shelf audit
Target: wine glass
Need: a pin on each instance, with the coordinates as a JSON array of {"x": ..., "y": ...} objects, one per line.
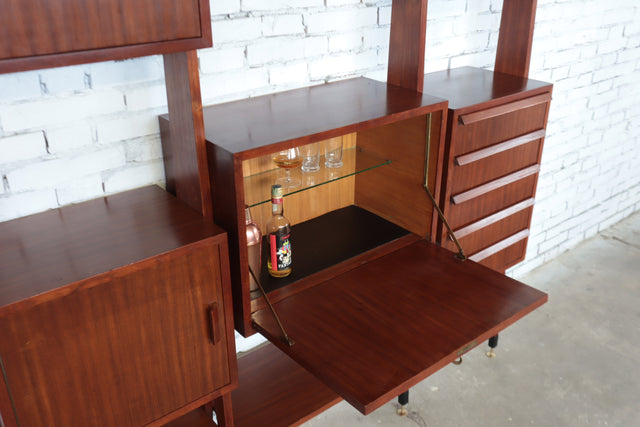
[{"x": 288, "y": 159}]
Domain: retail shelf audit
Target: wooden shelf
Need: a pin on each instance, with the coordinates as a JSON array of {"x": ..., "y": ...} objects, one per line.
[
  {"x": 258, "y": 187},
  {"x": 275, "y": 391},
  {"x": 330, "y": 240}
]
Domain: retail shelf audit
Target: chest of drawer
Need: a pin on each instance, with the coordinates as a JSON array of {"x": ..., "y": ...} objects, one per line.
[{"x": 495, "y": 137}]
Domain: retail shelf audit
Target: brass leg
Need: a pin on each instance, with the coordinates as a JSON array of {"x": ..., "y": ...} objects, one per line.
[
  {"x": 493, "y": 343},
  {"x": 403, "y": 400}
]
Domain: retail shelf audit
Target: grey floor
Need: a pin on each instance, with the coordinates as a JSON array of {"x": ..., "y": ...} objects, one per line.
[{"x": 573, "y": 362}]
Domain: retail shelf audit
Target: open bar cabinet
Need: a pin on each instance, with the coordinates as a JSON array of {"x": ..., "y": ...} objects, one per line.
[
  {"x": 373, "y": 305},
  {"x": 379, "y": 297}
]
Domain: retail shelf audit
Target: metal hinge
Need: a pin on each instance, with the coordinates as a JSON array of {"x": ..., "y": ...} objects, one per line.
[{"x": 460, "y": 255}]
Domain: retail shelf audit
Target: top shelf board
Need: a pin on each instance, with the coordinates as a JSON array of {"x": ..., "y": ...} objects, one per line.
[
  {"x": 468, "y": 86},
  {"x": 301, "y": 116}
]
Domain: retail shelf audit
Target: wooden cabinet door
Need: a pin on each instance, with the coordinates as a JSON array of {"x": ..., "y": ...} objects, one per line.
[
  {"x": 375, "y": 331},
  {"x": 122, "y": 348},
  {"x": 38, "y": 34}
]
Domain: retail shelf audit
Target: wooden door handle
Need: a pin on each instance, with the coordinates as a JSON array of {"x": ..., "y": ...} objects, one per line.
[{"x": 214, "y": 324}]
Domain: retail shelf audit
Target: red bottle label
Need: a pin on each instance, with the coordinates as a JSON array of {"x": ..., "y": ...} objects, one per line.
[{"x": 280, "y": 249}]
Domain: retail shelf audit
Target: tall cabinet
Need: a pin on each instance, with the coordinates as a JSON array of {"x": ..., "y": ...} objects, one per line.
[{"x": 117, "y": 311}]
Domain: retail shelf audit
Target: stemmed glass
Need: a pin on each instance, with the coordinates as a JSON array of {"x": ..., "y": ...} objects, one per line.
[{"x": 287, "y": 160}]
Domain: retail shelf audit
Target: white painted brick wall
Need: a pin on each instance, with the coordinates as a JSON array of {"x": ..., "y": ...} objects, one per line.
[{"x": 75, "y": 133}]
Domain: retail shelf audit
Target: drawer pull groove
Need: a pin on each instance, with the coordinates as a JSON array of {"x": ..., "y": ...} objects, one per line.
[
  {"x": 495, "y": 184},
  {"x": 503, "y": 244},
  {"x": 494, "y": 149},
  {"x": 214, "y": 326},
  {"x": 492, "y": 219},
  {"x": 466, "y": 119}
]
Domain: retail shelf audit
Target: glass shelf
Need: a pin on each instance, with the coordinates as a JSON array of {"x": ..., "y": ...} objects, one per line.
[{"x": 258, "y": 187}]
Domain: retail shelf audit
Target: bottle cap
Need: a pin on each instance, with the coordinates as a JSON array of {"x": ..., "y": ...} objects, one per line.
[
  {"x": 276, "y": 191},
  {"x": 247, "y": 215}
]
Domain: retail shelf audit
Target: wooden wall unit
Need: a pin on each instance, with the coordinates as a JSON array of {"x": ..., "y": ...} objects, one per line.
[{"x": 139, "y": 282}]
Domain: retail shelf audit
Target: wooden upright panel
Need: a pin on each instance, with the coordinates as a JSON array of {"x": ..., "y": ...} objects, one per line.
[
  {"x": 406, "y": 43},
  {"x": 42, "y": 34},
  {"x": 183, "y": 143},
  {"x": 516, "y": 35}
]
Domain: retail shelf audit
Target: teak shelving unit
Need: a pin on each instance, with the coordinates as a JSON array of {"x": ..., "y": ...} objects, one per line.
[{"x": 372, "y": 267}]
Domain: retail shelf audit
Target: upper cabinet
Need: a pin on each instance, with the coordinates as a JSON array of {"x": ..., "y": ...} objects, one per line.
[{"x": 40, "y": 34}]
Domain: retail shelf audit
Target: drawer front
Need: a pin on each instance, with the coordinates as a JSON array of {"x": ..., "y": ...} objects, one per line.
[
  {"x": 493, "y": 229},
  {"x": 482, "y": 171},
  {"x": 487, "y": 127},
  {"x": 490, "y": 203},
  {"x": 492, "y": 172},
  {"x": 125, "y": 349},
  {"x": 507, "y": 255}
]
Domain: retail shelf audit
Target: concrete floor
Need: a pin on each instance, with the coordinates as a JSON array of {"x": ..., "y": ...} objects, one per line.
[{"x": 573, "y": 362}]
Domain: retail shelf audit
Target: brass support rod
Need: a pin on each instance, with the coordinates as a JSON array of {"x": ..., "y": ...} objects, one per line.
[
  {"x": 460, "y": 255},
  {"x": 285, "y": 337}
]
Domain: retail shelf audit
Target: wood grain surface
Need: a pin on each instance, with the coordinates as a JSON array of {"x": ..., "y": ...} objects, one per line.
[
  {"x": 36, "y": 34},
  {"x": 375, "y": 331}
]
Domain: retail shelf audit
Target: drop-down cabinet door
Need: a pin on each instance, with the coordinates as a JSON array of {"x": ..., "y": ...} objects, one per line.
[{"x": 375, "y": 331}]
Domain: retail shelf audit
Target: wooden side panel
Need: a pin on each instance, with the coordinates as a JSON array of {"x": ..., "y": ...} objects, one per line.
[
  {"x": 125, "y": 350},
  {"x": 406, "y": 44},
  {"x": 516, "y": 35},
  {"x": 183, "y": 146},
  {"x": 396, "y": 192},
  {"x": 36, "y": 34},
  {"x": 228, "y": 191}
]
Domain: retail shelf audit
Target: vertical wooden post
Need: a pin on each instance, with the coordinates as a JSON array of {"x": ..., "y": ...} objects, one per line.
[
  {"x": 516, "y": 36},
  {"x": 224, "y": 411},
  {"x": 184, "y": 150},
  {"x": 407, "y": 43}
]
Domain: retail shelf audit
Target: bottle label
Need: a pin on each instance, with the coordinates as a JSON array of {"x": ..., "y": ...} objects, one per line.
[
  {"x": 275, "y": 204},
  {"x": 280, "y": 249}
]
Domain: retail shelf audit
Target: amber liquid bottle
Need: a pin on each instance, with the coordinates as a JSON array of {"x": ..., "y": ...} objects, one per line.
[{"x": 279, "y": 258}]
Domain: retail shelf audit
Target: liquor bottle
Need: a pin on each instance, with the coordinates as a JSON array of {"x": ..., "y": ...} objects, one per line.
[
  {"x": 278, "y": 228},
  {"x": 254, "y": 247}
]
